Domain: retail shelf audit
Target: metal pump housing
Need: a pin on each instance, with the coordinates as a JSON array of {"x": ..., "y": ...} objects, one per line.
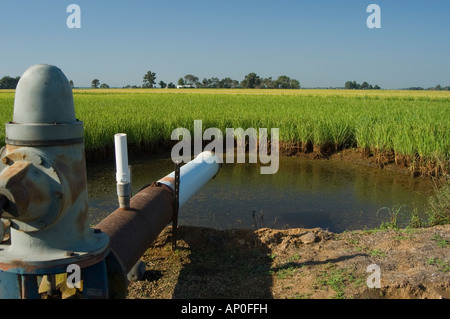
[{"x": 43, "y": 183}]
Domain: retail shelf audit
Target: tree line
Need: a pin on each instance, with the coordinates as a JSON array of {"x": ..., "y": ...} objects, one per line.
[
  {"x": 436, "y": 88},
  {"x": 251, "y": 81},
  {"x": 8, "y": 82},
  {"x": 349, "y": 85}
]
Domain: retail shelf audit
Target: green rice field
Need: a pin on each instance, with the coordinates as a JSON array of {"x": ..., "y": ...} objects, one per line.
[{"x": 409, "y": 127}]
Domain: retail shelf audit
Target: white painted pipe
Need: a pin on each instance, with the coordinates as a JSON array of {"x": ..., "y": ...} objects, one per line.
[
  {"x": 123, "y": 176},
  {"x": 122, "y": 170},
  {"x": 193, "y": 175}
]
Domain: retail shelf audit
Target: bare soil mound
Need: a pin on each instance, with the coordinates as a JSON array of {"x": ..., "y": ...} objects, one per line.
[{"x": 297, "y": 263}]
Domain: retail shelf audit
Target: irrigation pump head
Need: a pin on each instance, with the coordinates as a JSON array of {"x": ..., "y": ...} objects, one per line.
[
  {"x": 44, "y": 202},
  {"x": 43, "y": 186}
]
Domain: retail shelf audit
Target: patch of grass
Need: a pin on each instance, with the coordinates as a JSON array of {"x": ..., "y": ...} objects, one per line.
[
  {"x": 438, "y": 210},
  {"x": 377, "y": 253},
  {"x": 286, "y": 272},
  {"x": 303, "y": 296},
  {"x": 294, "y": 258},
  {"x": 441, "y": 264},
  {"x": 353, "y": 241},
  {"x": 438, "y": 213},
  {"x": 439, "y": 203},
  {"x": 336, "y": 279},
  {"x": 400, "y": 237},
  {"x": 405, "y": 234},
  {"x": 441, "y": 241},
  {"x": 394, "y": 214}
]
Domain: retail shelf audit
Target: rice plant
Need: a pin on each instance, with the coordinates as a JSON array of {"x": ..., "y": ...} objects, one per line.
[{"x": 410, "y": 123}]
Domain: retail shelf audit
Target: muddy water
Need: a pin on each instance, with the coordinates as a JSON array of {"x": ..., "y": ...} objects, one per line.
[{"x": 303, "y": 193}]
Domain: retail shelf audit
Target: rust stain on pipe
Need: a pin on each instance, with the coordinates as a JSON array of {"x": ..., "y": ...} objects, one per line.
[{"x": 133, "y": 230}]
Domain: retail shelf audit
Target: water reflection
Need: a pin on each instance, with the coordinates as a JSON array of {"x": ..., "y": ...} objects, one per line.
[{"x": 304, "y": 193}]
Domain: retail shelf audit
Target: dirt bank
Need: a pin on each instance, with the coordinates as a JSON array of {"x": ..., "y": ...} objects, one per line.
[
  {"x": 404, "y": 164},
  {"x": 297, "y": 263}
]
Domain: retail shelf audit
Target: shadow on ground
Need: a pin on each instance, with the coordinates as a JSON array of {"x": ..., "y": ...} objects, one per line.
[{"x": 223, "y": 265}]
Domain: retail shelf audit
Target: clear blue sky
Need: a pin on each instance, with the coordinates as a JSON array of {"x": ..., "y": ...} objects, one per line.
[{"x": 321, "y": 43}]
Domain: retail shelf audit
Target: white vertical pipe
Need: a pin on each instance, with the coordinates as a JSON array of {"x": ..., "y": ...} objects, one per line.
[
  {"x": 194, "y": 175},
  {"x": 122, "y": 169},
  {"x": 123, "y": 176}
]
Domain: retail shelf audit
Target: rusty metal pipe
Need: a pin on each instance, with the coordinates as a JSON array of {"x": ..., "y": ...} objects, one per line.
[{"x": 132, "y": 231}]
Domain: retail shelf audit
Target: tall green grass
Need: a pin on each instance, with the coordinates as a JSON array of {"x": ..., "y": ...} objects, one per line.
[{"x": 412, "y": 125}]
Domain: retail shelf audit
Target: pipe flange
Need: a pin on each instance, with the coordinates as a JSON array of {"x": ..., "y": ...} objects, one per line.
[{"x": 33, "y": 190}]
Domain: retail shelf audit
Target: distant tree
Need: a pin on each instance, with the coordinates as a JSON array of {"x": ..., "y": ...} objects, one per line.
[
  {"x": 227, "y": 83},
  {"x": 131, "y": 87},
  {"x": 282, "y": 82},
  {"x": 214, "y": 83},
  {"x": 199, "y": 85},
  {"x": 285, "y": 82},
  {"x": 190, "y": 79},
  {"x": 211, "y": 83},
  {"x": 104, "y": 86},
  {"x": 180, "y": 81},
  {"x": 71, "y": 84},
  {"x": 149, "y": 79},
  {"x": 438, "y": 87},
  {"x": 349, "y": 85},
  {"x": 251, "y": 81},
  {"x": 8, "y": 82},
  {"x": 171, "y": 85},
  {"x": 295, "y": 84},
  {"x": 364, "y": 86},
  {"x": 95, "y": 83},
  {"x": 268, "y": 83},
  {"x": 162, "y": 84}
]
